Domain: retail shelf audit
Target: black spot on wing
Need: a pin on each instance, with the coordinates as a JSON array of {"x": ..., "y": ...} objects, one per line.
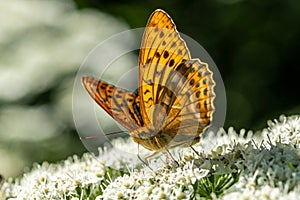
[
  {"x": 161, "y": 35},
  {"x": 192, "y": 82},
  {"x": 179, "y": 52},
  {"x": 150, "y": 99},
  {"x": 171, "y": 63},
  {"x": 147, "y": 91},
  {"x": 157, "y": 54},
  {"x": 166, "y": 54},
  {"x": 173, "y": 44}
]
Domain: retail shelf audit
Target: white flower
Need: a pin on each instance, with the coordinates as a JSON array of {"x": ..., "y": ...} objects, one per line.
[
  {"x": 214, "y": 140},
  {"x": 286, "y": 130}
]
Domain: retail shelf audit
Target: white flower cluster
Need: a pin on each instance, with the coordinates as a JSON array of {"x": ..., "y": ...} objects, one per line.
[
  {"x": 73, "y": 178},
  {"x": 162, "y": 184},
  {"x": 286, "y": 130},
  {"x": 272, "y": 168},
  {"x": 240, "y": 168}
]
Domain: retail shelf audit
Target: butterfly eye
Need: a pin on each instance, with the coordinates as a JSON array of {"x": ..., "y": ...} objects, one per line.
[{"x": 143, "y": 135}]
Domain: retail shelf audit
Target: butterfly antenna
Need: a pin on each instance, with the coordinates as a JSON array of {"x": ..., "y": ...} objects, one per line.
[
  {"x": 117, "y": 132},
  {"x": 96, "y": 136},
  {"x": 197, "y": 153},
  {"x": 89, "y": 137}
]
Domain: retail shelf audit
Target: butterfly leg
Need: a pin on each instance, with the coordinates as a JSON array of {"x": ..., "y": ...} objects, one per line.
[
  {"x": 195, "y": 151},
  {"x": 145, "y": 160},
  {"x": 172, "y": 157},
  {"x": 151, "y": 155}
]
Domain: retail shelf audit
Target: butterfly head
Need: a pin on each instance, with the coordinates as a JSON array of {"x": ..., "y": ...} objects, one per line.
[{"x": 151, "y": 139}]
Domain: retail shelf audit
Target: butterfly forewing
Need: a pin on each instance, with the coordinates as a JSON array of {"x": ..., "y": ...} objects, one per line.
[
  {"x": 162, "y": 50},
  {"x": 122, "y": 105}
]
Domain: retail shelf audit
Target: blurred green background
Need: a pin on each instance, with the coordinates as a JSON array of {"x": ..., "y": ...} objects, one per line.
[{"x": 254, "y": 43}]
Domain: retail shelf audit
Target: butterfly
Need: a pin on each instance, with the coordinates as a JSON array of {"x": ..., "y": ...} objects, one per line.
[{"x": 174, "y": 102}]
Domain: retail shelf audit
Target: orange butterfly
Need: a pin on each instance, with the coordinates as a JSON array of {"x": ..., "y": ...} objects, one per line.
[{"x": 174, "y": 104}]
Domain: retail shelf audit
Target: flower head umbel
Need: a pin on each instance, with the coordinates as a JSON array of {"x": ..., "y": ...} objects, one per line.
[
  {"x": 72, "y": 178},
  {"x": 272, "y": 168},
  {"x": 237, "y": 167},
  {"x": 147, "y": 184}
]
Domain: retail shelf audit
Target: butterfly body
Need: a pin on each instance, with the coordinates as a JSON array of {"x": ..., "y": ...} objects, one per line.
[
  {"x": 174, "y": 104},
  {"x": 161, "y": 140}
]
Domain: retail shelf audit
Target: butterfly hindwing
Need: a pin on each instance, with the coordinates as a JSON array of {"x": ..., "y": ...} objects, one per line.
[
  {"x": 122, "y": 105},
  {"x": 193, "y": 96}
]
